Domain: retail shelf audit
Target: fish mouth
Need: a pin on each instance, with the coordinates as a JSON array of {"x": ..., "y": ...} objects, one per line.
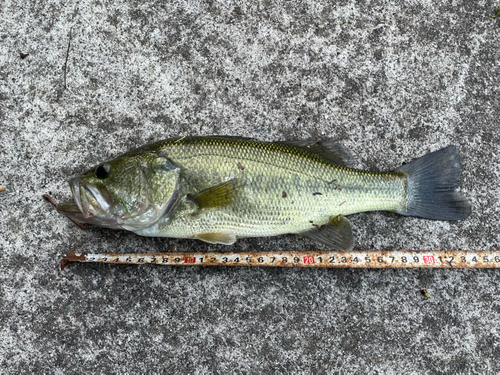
[
  {"x": 91, "y": 206},
  {"x": 71, "y": 210},
  {"x": 89, "y": 200}
]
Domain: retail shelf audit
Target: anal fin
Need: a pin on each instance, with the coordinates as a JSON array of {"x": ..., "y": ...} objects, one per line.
[
  {"x": 337, "y": 234},
  {"x": 225, "y": 237}
]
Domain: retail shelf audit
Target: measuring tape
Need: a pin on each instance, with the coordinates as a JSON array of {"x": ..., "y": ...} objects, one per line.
[{"x": 311, "y": 259}]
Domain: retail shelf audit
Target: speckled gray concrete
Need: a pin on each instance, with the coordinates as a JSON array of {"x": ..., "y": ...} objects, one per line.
[{"x": 391, "y": 81}]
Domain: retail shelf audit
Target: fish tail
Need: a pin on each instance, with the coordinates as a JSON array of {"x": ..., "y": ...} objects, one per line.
[{"x": 431, "y": 183}]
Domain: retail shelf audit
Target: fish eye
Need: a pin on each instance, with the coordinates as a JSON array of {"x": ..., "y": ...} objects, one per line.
[{"x": 102, "y": 171}]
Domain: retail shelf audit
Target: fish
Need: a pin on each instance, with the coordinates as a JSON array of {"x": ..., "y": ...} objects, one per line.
[{"x": 219, "y": 189}]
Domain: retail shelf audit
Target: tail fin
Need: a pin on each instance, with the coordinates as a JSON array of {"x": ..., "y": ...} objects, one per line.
[{"x": 432, "y": 180}]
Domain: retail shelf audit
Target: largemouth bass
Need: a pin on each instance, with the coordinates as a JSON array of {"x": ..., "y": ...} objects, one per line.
[{"x": 218, "y": 189}]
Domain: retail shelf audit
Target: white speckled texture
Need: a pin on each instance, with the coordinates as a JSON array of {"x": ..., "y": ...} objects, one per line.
[{"x": 391, "y": 80}]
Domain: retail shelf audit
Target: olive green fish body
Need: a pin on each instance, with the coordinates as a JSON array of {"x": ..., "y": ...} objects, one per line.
[
  {"x": 281, "y": 188},
  {"x": 219, "y": 189}
]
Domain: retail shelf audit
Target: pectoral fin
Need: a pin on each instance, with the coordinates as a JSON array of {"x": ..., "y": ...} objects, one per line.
[
  {"x": 337, "y": 234},
  {"x": 215, "y": 196},
  {"x": 224, "y": 237}
]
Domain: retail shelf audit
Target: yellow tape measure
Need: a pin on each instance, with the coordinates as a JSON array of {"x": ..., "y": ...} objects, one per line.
[{"x": 320, "y": 259}]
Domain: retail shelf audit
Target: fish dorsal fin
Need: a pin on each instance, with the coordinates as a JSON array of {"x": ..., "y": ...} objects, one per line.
[
  {"x": 337, "y": 234},
  {"x": 328, "y": 149},
  {"x": 215, "y": 196},
  {"x": 225, "y": 237}
]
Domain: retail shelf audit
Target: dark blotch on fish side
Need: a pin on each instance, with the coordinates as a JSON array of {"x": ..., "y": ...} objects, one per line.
[
  {"x": 284, "y": 195},
  {"x": 318, "y": 227},
  {"x": 240, "y": 166},
  {"x": 317, "y": 194}
]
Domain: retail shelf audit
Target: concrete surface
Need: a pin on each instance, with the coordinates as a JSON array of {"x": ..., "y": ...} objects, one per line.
[{"x": 391, "y": 80}]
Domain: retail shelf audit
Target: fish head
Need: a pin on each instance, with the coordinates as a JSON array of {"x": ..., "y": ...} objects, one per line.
[{"x": 131, "y": 192}]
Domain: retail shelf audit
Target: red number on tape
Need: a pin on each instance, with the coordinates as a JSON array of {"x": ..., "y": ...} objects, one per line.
[
  {"x": 429, "y": 259},
  {"x": 309, "y": 259}
]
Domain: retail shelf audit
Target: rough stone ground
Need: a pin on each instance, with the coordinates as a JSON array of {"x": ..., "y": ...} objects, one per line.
[{"x": 391, "y": 80}]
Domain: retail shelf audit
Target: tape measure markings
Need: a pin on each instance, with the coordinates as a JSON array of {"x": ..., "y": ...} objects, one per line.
[{"x": 328, "y": 259}]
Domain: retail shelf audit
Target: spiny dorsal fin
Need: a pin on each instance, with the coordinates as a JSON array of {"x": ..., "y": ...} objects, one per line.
[
  {"x": 328, "y": 149},
  {"x": 225, "y": 237},
  {"x": 337, "y": 234},
  {"x": 215, "y": 196}
]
